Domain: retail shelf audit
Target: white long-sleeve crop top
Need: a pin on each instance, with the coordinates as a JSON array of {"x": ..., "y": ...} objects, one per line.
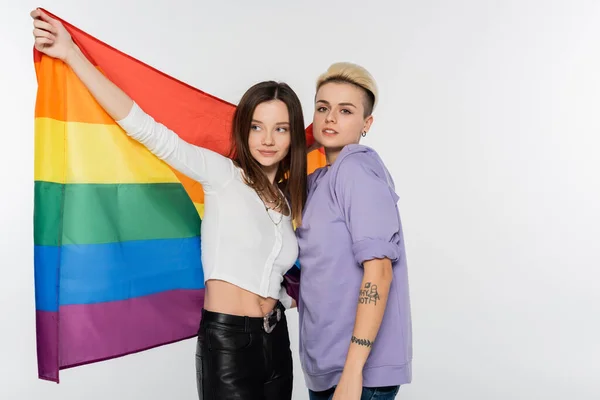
[{"x": 242, "y": 242}]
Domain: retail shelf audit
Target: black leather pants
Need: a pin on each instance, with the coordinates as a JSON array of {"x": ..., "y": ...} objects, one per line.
[{"x": 237, "y": 359}]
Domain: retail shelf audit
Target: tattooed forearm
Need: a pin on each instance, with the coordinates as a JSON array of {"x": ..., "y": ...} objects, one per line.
[
  {"x": 369, "y": 294},
  {"x": 361, "y": 342},
  {"x": 372, "y": 301}
]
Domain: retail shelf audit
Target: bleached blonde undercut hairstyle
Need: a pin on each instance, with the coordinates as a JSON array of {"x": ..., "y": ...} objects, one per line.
[{"x": 346, "y": 72}]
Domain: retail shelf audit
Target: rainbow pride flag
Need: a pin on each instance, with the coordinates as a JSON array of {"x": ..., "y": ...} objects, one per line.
[{"x": 116, "y": 230}]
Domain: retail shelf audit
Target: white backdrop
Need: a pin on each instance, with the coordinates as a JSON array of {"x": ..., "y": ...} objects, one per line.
[{"x": 488, "y": 120}]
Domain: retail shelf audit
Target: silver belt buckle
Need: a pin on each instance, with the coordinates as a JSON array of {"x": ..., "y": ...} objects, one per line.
[{"x": 267, "y": 320}]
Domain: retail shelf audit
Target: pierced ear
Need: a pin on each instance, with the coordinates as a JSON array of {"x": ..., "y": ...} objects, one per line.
[{"x": 367, "y": 126}]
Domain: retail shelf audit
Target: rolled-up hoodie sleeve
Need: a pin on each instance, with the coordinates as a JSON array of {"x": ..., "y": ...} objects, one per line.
[{"x": 369, "y": 207}]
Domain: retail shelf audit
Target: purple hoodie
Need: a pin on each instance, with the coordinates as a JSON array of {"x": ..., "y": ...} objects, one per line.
[{"x": 351, "y": 216}]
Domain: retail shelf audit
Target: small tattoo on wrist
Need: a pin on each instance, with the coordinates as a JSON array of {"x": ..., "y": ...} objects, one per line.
[
  {"x": 369, "y": 294},
  {"x": 361, "y": 342}
]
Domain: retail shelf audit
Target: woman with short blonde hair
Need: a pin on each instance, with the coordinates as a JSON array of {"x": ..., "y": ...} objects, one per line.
[{"x": 354, "y": 307}]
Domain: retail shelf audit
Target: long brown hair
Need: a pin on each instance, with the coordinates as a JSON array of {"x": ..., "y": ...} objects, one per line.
[{"x": 291, "y": 173}]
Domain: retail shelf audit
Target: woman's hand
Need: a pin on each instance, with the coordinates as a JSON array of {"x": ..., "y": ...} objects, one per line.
[
  {"x": 51, "y": 37},
  {"x": 350, "y": 386}
]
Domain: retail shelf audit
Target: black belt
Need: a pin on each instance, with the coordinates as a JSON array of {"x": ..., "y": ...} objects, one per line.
[{"x": 246, "y": 324}]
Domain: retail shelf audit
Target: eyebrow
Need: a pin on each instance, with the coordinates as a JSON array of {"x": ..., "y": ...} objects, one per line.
[
  {"x": 340, "y": 104},
  {"x": 278, "y": 123}
]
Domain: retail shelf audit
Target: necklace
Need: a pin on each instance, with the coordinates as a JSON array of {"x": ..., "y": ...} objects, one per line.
[
  {"x": 276, "y": 204},
  {"x": 271, "y": 218},
  {"x": 274, "y": 208}
]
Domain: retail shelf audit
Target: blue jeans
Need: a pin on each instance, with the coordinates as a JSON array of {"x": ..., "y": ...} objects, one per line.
[{"x": 378, "y": 393}]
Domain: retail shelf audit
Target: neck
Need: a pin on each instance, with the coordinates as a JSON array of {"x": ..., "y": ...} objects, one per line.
[
  {"x": 331, "y": 154},
  {"x": 270, "y": 172}
]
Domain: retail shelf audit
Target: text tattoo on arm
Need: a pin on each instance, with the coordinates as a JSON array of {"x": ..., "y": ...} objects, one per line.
[{"x": 368, "y": 294}]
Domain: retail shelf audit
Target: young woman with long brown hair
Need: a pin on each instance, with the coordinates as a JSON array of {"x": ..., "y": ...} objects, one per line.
[{"x": 243, "y": 349}]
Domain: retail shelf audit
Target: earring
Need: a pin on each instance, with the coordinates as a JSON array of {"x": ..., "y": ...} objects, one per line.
[{"x": 363, "y": 134}]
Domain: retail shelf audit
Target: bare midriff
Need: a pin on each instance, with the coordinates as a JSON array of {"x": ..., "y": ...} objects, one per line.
[{"x": 226, "y": 298}]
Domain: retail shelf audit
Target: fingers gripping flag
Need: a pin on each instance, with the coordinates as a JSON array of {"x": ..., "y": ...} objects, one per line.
[{"x": 116, "y": 230}]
